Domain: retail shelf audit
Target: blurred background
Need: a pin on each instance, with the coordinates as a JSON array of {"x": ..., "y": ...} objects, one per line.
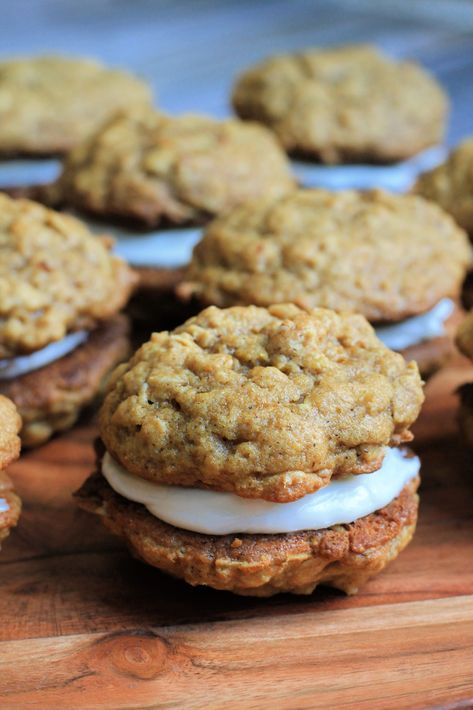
[{"x": 191, "y": 50}]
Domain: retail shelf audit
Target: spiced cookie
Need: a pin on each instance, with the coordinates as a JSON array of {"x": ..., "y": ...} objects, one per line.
[
  {"x": 348, "y": 104},
  {"x": 156, "y": 169},
  {"x": 259, "y": 418},
  {"x": 398, "y": 260},
  {"x": 451, "y": 185},
  {"x": 60, "y": 292},
  {"x": 10, "y": 504},
  {"x": 49, "y": 104}
]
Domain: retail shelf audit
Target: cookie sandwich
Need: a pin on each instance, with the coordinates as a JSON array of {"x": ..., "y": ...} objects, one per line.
[
  {"x": 398, "y": 260},
  {"x": 10, "y": 504},
  {"x": 150, "y": 170},
  {"x": 344, "y": 104},
  {"x": 61, "y": 332},
  {"x": 349, "y": 116},
  {"x": 259, "y": 451}
]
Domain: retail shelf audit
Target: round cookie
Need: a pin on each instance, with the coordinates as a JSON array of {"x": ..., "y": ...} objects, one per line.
[
  {"x": 60, "y": 335},
  {"x": 451, "y": 185},
  {"x": 155, "y": 169},
  {"x": 10, "y": 504},
  {"x": 388, "y": 257},
  {"x": 348, "y": 104},
  {"x": 227, "y": 400},
  {"x": 49, "y": 104},
  {"x": 55, "y": 277}
]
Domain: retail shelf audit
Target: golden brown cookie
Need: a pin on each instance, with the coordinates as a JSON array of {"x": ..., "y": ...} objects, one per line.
[
  {"x": 451, "y": 185},
  {"x": 48, "y": 104},
  {"x": 265, "y": 403},
  {"x": 60, "y": 335},
  {"x": 10, "y": 504},
  {"x": 345, "y": 104},
  {"x": 153, "y": 168},
  {"x": 343, "y": 556},
  {"x": 386, "y": 256},
  {"x": 51, "y": 398},
  {"x": 55, "y": 277}
]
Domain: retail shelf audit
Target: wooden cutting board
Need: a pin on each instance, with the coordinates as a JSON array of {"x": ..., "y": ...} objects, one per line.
[{"x": 83, "y": 625}]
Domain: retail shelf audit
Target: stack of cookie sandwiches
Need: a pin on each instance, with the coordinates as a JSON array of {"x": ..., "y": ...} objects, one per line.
[
  {"x": 150, "y": 171},
  {"x": 49, "y": 104},
  {"x": 61, "y": 333},
  {"x": 399, "y": 260},
  {"x": 347, "y": 104},
  {"x": 258, "y": 451},
  {"x": 10, "y": 504}
]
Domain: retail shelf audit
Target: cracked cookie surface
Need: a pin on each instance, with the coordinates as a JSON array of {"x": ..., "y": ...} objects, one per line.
[
  {"x": 266, "y": 403},
  {"x": 55, "y": 277},
  {"x": 344, "y": 104},
  {"x": 385, "y": 256},
  {"x": 152, "y": 168},
  {"x": 48, "y": 104}
]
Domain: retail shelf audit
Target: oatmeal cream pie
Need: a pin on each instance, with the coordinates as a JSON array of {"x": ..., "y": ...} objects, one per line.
[
  {"x": 257, "y": 450},
  {"x": 10, "y": 504},
  {"x": 398, "y": 260},
  {"x": 152, "y": 168},
  {"x": 348, "y": 104},
  {"x": 60, "y": 329},
  {"x": 49, "y": 104}
]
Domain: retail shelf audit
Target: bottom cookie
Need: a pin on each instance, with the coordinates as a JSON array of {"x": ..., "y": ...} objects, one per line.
[
  {"x": 50, "y": 399},
  {"x": 155, "y": 304},
  {"x": 343, "y": 556}
]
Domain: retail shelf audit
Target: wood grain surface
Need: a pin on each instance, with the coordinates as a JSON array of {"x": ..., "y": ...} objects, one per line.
[{"x": 84, "y": 625}]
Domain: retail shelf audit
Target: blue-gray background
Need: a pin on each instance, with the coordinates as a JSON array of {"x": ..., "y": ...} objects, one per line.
[{"x": 191, "y": 50}]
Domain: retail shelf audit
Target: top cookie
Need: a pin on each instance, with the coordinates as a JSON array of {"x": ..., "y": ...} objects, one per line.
[
  {"x": 385, "y": 256},
  {"x": 451, "y": 185},
  {"x": 10, "y": 424},
  {"x": 345, "y": 104},
  {"x": 151, "y": 167},
  {"x": 55, "y": 277},
  {"x": 49, "y": 104},
  {"x": 266, "y": 403}
]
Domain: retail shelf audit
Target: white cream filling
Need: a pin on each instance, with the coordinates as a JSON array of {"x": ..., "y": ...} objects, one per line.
[
  {"x": 26, "y": 172},
  {"x": 4, "y": 507},
  {"x": 215, "y": 513},
  {"x": 417, "y": 329},
  {"x": 163, "y": 248},
  {"x": 16, "y": 366},
  {"x": 398, "y": 177}
]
